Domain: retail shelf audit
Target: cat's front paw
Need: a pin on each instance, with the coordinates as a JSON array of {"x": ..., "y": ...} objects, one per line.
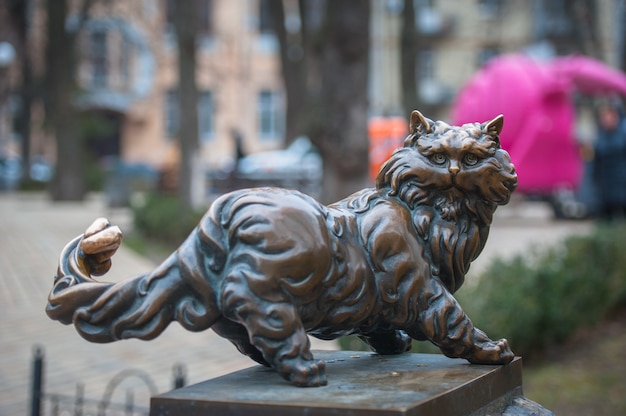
[{"x": 491, "y": 352}]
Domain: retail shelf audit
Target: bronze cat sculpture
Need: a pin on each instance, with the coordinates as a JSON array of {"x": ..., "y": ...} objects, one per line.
[{"x": 266, "y": 266}]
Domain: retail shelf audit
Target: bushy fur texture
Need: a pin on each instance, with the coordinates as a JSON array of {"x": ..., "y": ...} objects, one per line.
[{"x": 267, "y": 266}]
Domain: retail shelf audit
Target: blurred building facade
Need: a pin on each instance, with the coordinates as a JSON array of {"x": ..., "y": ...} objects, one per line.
[
  {"x": 455, "y": 38},
  {"x": 128, "y": 64},
  {"x": 128, "y": 79},
  {"x": 129, "y": 74}
]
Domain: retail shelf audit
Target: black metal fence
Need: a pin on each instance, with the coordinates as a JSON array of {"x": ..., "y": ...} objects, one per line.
[{"x": 53, "y": 404}]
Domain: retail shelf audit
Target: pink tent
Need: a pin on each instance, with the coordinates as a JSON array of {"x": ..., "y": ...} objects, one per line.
[{"x": 536, "y": 100}]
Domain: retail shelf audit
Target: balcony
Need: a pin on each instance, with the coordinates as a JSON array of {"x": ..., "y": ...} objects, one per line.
[{"x": 432, "y": 23}]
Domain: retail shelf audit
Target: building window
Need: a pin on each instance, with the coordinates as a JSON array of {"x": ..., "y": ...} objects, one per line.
[
  {"x": 205, "y": 17},
  {"x": 206, "y": 114},
  {"x": 431, "y": 90},
  {"x": 486, "y": 54},
  {"x": 426, "y": 64},
  {"x": 99, "y": 62},
  {"x": 556, "y": 20},
  {"x": 490, "y": 9},
  {"x": 268, "y": 115},
  {"x": 125, "y": 59},
  {"x": 267, "y": 41},
  {"x": 424, "y": 4},
  {"x": 172, "y": 119},
  {"x": 169, "y": 16},
  {"x": 265, "y": 24},
  {"x": 554, "y": 9}
]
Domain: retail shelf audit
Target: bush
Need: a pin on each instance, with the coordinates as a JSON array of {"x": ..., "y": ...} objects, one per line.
[
  {"x": 95, "y": 177},
  {"x": 541, "y": 299},
  {"x": 159, "y": 218},
  {"x": 29, "y": 185}
]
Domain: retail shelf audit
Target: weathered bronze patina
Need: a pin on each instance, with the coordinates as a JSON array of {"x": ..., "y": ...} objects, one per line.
[{"x": 267, "y": 266}]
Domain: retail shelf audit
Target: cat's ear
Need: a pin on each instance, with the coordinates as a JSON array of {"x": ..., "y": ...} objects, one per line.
[
  {"x": 419, "y": 123},
  {"x": 494, "y": 127}
]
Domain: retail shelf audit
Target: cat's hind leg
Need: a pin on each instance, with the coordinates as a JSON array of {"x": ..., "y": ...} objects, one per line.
[
  {"x": 275, "y": 329},
  {"x": 387, "y": 342},
  {"x": 238, "y": 335}
]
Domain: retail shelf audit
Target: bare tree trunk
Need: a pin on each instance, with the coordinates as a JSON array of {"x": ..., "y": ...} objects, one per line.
[
  {"x": 325, "y": 69},
  {"x": 185, "y": 22},
  {"x": 345, "y": 64},
  {"x": 409, "y": 48},
  {"x": 69, "y": 182},
  {"x": 19, "y": 16},
  {"x": 584, "y": 18},
  {"x": 294, "y": 69}
]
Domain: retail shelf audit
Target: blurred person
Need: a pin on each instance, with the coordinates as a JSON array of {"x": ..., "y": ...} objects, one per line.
[
  {"x": 609, "y": 168},
  {"x": 238, "y": 139}
]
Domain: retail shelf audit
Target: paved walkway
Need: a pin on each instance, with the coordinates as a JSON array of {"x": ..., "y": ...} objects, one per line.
[{"x": 33, "y": 232}]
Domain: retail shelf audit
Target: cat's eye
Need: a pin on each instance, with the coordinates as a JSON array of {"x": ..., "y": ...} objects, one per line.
[
  {"x": 470, "y": 159},
  {"x": 438, "y": 158}
]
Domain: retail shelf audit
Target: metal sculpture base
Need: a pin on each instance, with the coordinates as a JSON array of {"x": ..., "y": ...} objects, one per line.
[{"x": 362, "y": 383}]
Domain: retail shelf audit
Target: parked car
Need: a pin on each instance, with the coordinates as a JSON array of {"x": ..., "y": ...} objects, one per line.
[
  {"x": 10, "y": 172},
  {"x": 40, "y": 169},
  {"x": 298, "y": 166}
]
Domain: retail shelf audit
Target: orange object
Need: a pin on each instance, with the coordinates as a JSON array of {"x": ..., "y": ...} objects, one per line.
[{"x": 386, "y": 134}]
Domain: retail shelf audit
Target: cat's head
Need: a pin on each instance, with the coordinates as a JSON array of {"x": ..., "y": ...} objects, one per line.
[{"x": 450, "y": 162}]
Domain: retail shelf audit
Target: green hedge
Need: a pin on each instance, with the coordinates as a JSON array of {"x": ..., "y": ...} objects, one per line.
[{"x": 159, "y": 218}]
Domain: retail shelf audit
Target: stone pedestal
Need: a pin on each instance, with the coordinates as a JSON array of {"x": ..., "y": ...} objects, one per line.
[{"x": 361, "y": 383}]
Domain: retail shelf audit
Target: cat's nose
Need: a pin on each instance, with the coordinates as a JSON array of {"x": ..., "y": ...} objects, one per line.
[{"x": 454, "y": 169}]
